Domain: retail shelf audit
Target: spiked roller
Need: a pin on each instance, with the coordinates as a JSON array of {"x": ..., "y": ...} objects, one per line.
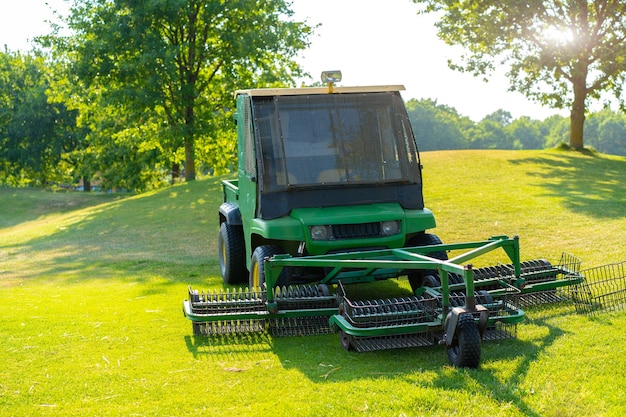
[
  {"x": 294, "y": 310},
  {"x": 461, "y": 307},
  {"x": 239, "y": 311}
]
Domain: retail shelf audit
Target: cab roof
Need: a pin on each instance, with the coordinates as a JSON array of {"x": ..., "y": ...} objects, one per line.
[{"x": 317, "y": 90}]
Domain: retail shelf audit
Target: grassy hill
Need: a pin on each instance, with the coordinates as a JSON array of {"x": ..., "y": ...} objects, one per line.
[{"x": 92, "y": 284}]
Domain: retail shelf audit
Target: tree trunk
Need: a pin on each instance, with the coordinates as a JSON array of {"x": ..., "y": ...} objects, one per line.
[
  {"x": 577, "y": 116},
  {"x": 190, "y": 164},
  {"x": 86, "y": 184},
  {"x": 577, "y": 122},
  {"x": 175, "y": 172}
]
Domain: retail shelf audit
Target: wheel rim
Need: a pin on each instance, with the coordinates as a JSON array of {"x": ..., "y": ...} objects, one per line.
[
  {"x": 223, "y": 259},
  {"x": 255, "y": 275},
  {"x": 346, "y": 340}
]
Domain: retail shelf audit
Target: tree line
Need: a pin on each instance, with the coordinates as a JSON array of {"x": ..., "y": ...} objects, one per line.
[
  {"x": 131, "y": 94},
  {"x": 148, "y": 88},
  {"x": 440, "y": 127},
  {"x": 561, "y": 53},
  {"x": 44, "y": 141}
]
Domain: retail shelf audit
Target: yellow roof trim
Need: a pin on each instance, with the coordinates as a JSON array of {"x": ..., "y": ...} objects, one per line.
[{"x": 317, "y": 90}]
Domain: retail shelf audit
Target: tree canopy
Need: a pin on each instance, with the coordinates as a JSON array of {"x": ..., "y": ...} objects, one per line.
[
  {"x": 440, "y": 127},
  {"x": 137, "y": 90},
  {"x": 172, "y": 65},
  {"x": 35, "y": 135},
  {"x": 559, "y": 52},
  {"x": 44, "y": 142}
]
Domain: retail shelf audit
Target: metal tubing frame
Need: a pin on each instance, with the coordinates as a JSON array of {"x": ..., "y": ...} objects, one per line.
[
  {"x": 338, "y": 321},
  {"x": 371, "y": 264}
]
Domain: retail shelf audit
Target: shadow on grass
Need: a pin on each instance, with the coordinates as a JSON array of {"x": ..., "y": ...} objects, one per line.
[
  {"x": 230, "y": 347},
  {"x": 20, "y": 205},
  {"x": 322, "y": 360},
  {"x": 166, "y": 231},
  {"x": 509, "y": 390},
  {"x": 590, "y": 185}
]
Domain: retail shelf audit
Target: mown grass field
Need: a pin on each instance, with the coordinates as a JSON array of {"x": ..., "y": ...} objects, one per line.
[{"x": 91, "y": 289}]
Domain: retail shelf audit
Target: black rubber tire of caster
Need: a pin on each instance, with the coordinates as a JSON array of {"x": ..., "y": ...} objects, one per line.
[
  {"x": 464, "y": 351},
  {"x": 198, "y": 329},
  {"x": 346, "y": 340}
]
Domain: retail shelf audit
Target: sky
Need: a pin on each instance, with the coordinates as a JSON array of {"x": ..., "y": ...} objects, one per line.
[{"x": 372, "y": 42}]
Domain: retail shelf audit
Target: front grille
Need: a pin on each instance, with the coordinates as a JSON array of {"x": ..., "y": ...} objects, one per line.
[{"x": 352, "y": 231}]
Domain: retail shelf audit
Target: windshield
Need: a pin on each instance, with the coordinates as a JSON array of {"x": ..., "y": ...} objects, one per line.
[{"x": 334, "y": 139}]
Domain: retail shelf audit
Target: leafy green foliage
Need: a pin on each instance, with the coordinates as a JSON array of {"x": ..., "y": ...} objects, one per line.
[
  {"x": 34, "y": 132},
  {"x": 606, "y": 130},
  {"x": 173, "y": 65},
  {"x": 437, "y": 126},
  {"x": 440, "y": 127},
  {"x": 561, "y": 53},
  {"x": 525, "y": 133}
]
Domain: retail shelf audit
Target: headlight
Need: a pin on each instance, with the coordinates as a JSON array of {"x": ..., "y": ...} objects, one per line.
[
  {"x": 389, "y": 228},
  {"x": 321, "y": 232}
]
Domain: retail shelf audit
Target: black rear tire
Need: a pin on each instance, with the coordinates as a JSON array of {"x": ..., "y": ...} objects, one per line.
[
  {"x": 464, "y": 351},
  {"x": 417, "y": 276},
  {"x": 232, "y": 254}
]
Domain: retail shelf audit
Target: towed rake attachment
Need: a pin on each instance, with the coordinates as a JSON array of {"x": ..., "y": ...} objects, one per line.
[{"x": 460, "y": 306}]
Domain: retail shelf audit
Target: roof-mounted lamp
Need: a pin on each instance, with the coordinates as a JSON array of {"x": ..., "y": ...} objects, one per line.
[{"x": 330, "y": 78}]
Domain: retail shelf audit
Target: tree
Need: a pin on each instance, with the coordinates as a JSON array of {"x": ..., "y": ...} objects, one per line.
[
  {"x": 561, "y": 53},
  {"x": 526, "y": 133},
  {"x": 491, "y": 132},
  {"x": 486, "y": 134},
  {"x": 606, "y": 131},
  {"x": 181, "y": 60},
  {"x": 437, "y": 126},
  {"x": 557, "y": 128},
  {"x": 34, "y": 132}
]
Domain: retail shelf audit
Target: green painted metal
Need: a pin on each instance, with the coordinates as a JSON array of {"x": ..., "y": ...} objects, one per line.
[
  {"x": 299, "y": 192},
  {"x": 255, "y": 185},
  {"x": 367, "y": 266}
]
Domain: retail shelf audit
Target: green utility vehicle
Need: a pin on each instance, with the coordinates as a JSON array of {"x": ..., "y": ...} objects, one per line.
[
  {"x": 329, "y": 194},
  {"x": 320, "y": 173}
]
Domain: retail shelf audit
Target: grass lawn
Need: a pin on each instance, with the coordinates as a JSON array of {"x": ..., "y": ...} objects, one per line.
[{"x": 91, "y": 290}]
